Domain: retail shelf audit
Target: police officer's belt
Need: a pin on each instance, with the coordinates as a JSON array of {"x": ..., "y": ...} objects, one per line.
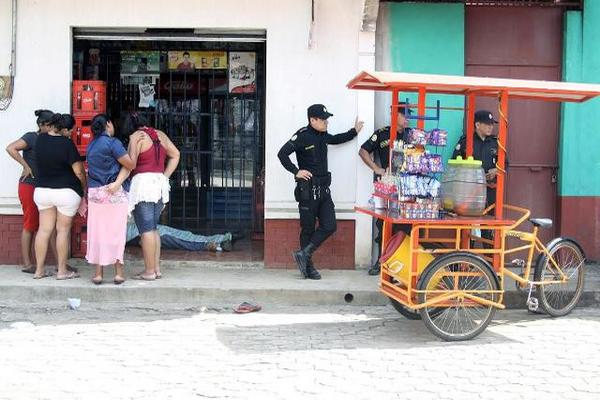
[{"x": 324, "y": 180}]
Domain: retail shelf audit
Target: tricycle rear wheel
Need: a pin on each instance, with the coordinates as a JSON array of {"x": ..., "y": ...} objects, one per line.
[{"x": 460, "y": 318}]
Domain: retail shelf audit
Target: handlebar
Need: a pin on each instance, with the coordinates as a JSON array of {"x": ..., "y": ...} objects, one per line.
[{"x": 526, "y": 213}]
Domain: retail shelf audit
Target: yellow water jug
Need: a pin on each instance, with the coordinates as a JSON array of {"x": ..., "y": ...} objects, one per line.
[{"x": 398, "y": 263}]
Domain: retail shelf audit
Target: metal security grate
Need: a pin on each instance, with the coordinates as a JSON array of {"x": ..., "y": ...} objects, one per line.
[{"x": 219, "y": 134}]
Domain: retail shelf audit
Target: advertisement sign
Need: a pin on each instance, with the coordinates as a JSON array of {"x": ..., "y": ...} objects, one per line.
[
  {"x": 140, "y": 62},
  {"x": 242, "y": 72},
  {"x": 192, "y": 60}
]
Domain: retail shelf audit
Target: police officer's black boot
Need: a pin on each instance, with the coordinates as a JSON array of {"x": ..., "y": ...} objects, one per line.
[
  {"x": 302, "y": 256},
  {"x": 311, "y": 271},
  {"x": 375, "y": 269}
]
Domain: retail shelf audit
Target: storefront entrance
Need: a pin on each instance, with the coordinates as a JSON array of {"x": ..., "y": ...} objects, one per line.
[{"x": 208, "y": 94}]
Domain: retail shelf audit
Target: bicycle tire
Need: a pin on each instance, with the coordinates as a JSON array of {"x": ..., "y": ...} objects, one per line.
[
  {"x": 448, "y": 324},
  {"x": 553, "y": 298},
  {"x": 410, "y": 313}
]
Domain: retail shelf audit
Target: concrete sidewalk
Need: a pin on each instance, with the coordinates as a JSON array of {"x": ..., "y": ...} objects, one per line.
[{"x": 211, "y": 284}]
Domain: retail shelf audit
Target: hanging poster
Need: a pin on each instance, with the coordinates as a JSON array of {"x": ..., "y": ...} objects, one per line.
[
  {"x": 140, "y": 62},
  {"x": 242, "y": 72},
  {"x": 146, "y": 95},
  {"x": 192, "y": 60}
]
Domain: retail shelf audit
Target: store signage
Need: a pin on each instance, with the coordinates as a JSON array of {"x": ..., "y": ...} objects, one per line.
[{"x": 192, "y": 60}]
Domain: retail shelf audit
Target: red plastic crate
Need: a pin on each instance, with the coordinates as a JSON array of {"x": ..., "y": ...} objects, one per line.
[
  {"x": 82, "y": 133},
  {"x": 89, "y": 98},
  {"x": 79, "y": 237}
]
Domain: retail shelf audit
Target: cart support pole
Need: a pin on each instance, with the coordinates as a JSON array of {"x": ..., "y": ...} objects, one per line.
[
  {"x": 470, "y": 124},
  {"x": 421, "y": 107},
  {"x": 501, "y": 154},
  {"x": 387, "y": 226}
]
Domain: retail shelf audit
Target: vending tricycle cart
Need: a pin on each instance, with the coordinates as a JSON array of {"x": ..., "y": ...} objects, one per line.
[{"x": 445, "y": 278}]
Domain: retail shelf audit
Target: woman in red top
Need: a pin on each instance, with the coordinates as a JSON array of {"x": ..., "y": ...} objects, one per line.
[{"x": 156, "y": 158}]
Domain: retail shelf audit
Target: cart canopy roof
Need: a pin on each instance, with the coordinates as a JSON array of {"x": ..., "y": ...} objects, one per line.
[{"x": 463, "y": 85}]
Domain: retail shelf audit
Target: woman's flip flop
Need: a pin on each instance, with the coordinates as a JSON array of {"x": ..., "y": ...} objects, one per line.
[
  {"x": 69, "y": 275},
  {"x": 246, "y": 307}
]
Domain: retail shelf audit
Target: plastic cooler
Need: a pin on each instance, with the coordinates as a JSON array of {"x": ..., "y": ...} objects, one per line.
[
  {"x": 396, "y": 258},
  {"x": 82, "y": 133},
  {"x": 89, "y": 97}
]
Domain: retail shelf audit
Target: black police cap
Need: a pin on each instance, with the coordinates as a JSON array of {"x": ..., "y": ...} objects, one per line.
[
  {"x": 485, "y": 117},
  {"x": 318, "y": 111}
]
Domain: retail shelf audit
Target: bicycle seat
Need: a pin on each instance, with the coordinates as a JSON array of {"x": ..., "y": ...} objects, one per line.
[{"x": 541, "y": 222}]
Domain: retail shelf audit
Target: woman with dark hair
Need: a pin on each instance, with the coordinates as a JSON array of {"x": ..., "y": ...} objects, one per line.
[
  {"x": 60, "y": 185},
  {"x": 109, "y": 166},
  {"x": 26, "y": 144},
  {"x": 156, "y": 158}
]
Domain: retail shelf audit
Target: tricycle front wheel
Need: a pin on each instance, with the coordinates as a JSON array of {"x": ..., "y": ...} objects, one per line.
[{"x": 558, "y": 299}]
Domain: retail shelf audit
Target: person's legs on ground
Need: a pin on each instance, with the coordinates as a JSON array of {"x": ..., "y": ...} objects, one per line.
[
  {"x": 375, "y": 268},
  {"x": 47, "y": 224},
  {"x": 53, "y": 248},
  {"x": 63, "y": 234},
  {"x": 144, "y": 216},
  {"x": 327, "y": 227},
  {"x": 30, "y": 225},
  {"x": 119, "y": 274},
  {"x": 307, "y": 229},
  {"x": 148, "y": 241},
  {"x": 157, "y": 211},
  {"x": 97, "y": 279}
]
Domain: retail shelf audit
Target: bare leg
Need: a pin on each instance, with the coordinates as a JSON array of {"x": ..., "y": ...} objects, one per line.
[
  {"x": 47, "y": 223},
  {"x": 53, "y": 246},
  {"x": 157, "y": 262},
  {"x": 119, "y": 275},
  {"x": 26, "y": 242},
  {"x": 97, "y": 279},
  {"x": 63, "y": 233},
  {"x": 148, "y": 240}
]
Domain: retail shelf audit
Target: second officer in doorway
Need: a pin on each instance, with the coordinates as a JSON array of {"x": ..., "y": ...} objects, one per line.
[{"x": 312, "y": 183}]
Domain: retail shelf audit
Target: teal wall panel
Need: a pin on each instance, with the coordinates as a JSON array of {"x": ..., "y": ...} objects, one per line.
[
  {"x": 579, "y": 157},
  {"x": 429, "y": 38}
]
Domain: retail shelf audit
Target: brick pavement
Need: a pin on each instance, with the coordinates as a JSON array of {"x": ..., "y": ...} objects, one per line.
[{"x": 290, "y": 352}]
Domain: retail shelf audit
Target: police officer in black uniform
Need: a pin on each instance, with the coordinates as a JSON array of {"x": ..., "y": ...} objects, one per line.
[
  {"x": 312, "y": 182},
  {"x": 378, "y": 145},
  {"x": 485, "y": 149}
]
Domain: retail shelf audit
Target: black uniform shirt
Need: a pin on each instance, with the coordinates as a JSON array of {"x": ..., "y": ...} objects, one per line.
[
  {"x": 310, "y": 147},
  {"x": 379, "y": 143},
  {"x": 485, "y": 150}
]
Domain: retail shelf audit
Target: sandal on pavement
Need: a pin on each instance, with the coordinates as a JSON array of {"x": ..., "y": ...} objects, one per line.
[
  {"x": 246, "y": 307},
  {"x": 142, "y": 277},
  {"x": 72, "y": 269},
  {"x": 97, "y": 280},
  {"x": 44, "y": 275},
  {"x": 68, "y": 275},
  {"x": 118, "y": 279},
  {"x": 158, "y": 276},
  {"x": 29, "y": 270}
]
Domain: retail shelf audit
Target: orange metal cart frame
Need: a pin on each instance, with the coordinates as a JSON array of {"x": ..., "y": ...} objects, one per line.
[{"x": 470, "y": 87}]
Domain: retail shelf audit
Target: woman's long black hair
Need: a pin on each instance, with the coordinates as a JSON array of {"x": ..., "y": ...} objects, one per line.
[
  {"x": 62, "y": 121},
  {"x": 43, "y": 117},
  {"x": 132, "y": 122},
  {"x": 99, "y": 123}
]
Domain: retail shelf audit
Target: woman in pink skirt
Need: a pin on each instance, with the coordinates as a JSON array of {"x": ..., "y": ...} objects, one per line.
[{"x": 109, "y": 165}]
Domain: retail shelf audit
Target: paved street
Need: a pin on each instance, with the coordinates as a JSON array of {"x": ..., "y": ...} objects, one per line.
[{"x": 308, "y": 352}]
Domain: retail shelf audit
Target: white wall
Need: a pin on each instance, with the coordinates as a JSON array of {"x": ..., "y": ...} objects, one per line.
[{"x": 296, "y": 75}]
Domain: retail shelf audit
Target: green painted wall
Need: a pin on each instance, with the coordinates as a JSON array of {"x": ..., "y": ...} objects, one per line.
[
  {"x": 579, "y": 155},
  {"x": 429, "y": 38}
]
